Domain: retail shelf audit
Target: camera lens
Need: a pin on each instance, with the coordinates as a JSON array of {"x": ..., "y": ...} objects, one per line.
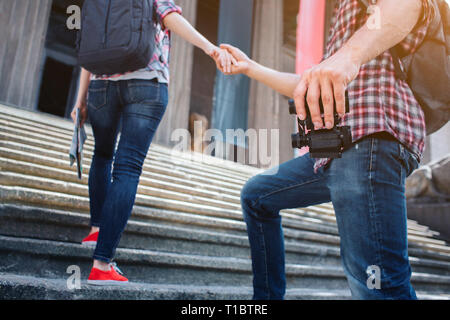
[{"x": 296, "y": 141}]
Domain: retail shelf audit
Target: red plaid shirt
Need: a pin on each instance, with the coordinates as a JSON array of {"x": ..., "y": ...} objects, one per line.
[{"x": 379, "y": 102}]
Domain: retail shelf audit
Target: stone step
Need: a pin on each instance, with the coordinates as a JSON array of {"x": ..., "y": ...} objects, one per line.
[
  {"x": 60, "y": 126},
  {"x": 61, "y": 200},
  {"x": 157, "y": 196},
  {"x": 149, "y": 190},
  {"x": 65, "y": 126},
  {"x": 52, "y": 164},
  {"x": 87, "y": 159},
  {"x": 147, "y": 166},
  {"x": 326, "y": 211},
  {"x": 18, "y": 287},
  {"x": 16, "y": 151},
  {"x": 10, "y": 151},
  {"x": 44, "y": 258},
  {"x": 334, "y": 232},
  {"x": 34, "y": 197},
  {"x": 187, "y": 210},
  {"x": 12, "y": 192},
  {"x": 14, "y": 287},
  {"x": 49, "y": 184},
  {"x": 159, "y": 166},
  {"x": 58, "y": 225},
  {"x": 165, "y": 159},
  {"x": 153, "y": 179},
  {"x": 329, "y": 218},
  {"x": 309, "y": 215},
  {"x": 50, "y": 259}
]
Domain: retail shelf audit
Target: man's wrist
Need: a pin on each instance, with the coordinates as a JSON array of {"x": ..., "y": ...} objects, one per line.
[
  {"x": 352, "y": 54},
  {"x": 251, "y": 68}
]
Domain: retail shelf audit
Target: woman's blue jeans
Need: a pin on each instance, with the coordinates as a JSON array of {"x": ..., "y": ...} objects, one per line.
[
  {"x": 135, "y": 108},
  {"x": 367, "y": 189}
]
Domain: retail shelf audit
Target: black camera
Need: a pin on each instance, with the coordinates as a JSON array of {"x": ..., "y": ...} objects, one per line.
[{"x": 323, "y": 143}]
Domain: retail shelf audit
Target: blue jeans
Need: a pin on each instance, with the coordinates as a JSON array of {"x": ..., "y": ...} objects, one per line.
[
  {"x": 135, "y": 108},
  {"x": 366, "y": 187}
]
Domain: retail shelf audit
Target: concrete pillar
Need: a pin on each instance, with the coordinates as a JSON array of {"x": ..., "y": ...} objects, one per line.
[
  {"x": 181, "y": 63},
  {"x": 311, "y": 25},
  {"x": 264, "y": 103},
  {"x": 23, "y": 28}
]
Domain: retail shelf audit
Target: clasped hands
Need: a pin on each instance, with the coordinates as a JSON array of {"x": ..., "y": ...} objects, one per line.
[{"x": 327, "y": 80}]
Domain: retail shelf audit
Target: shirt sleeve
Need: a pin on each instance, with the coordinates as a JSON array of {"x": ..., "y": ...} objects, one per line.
[
  {"x": 164, "y": 8},
  {"x": 413, "y": 41}
]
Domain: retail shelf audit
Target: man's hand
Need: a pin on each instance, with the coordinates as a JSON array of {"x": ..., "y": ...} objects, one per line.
[
  {"x": 328, "y": 80},
  {"x": 83, "y": 112},
  {"x": 242, "y": 60}
]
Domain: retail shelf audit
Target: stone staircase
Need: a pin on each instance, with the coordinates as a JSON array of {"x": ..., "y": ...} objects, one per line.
[{"x": 186, "y": 238}]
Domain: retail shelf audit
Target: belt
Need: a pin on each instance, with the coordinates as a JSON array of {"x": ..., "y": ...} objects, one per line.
[{"x": 383, "y": 136}]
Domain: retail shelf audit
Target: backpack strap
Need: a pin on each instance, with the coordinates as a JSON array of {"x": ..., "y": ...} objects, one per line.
[{"x": 399, "y": 72}]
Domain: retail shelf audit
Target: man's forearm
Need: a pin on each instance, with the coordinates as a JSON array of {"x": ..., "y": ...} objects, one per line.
[
  {"x": 282, "y": 82},
  {"x": 396, "y": 20}
]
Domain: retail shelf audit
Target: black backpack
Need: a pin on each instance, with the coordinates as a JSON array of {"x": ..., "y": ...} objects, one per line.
[
  {"x": 116, "y": 36},
  {"x": 427, "y": 70}
]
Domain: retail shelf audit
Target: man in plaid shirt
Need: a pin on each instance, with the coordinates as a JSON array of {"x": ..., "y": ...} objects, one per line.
[{"x": 366, "y": 185}]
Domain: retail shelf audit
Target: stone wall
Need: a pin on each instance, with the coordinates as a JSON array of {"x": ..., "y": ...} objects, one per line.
[{"x": 23, "y": 26}]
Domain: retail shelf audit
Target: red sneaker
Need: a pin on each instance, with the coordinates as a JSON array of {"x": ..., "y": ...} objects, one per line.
[
  {"x": 90, "y": 240},
  {"x": 107, "y": 278}
]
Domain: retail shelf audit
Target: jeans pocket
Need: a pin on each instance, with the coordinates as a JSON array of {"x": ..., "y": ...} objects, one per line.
[
  {"x": 389, "y": 164},
  {"x": 97, "y": 98},
  {"x": 408, "y": 160},
  {"x": 144, "y": 91}
]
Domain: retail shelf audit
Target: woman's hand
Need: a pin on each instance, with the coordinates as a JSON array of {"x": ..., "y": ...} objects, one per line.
[
  {"x": 224, "y": 60},
  {"x": 81, "y": 103},
  {"x": 82, "y": 106},
  {"x": 242, "y": 60}
]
